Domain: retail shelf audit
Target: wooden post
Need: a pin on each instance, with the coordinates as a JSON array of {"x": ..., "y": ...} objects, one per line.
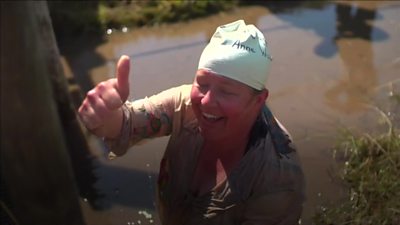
[{"x": 35, "y": 111}]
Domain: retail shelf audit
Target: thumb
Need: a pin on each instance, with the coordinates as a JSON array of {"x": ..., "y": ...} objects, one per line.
[{"x": 123, "y": 77}]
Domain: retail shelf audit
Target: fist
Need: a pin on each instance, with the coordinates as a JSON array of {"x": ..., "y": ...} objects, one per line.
[{"x": 101, "y": 111}]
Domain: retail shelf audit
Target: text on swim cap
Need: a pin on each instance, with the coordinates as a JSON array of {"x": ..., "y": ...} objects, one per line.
[{"x": 240, "y": 45}]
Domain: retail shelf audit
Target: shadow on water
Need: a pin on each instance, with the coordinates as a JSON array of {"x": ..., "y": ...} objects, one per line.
[
  {"x": 350, "y": 35},
  {"x": 354, "y": 24},
  {"x": 352, "y": 21},
  {"x": 83, "y": 165},
  {"x": 77, "y": 41},
  {"x": 81, "y": 68},
  {"x": 114, "y": 192},
  {"x": 69, "y": 33},
  {"x": 76, "y": 27},
  {"x": 102, "y": 194}
]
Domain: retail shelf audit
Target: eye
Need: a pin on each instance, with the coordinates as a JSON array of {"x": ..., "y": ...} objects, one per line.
[
  {"x": 226, "y": 91},
  {"x": 202, "y": 86}
]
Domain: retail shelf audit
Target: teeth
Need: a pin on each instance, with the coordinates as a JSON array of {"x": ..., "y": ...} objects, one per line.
[{"x": 209, "y": 116}]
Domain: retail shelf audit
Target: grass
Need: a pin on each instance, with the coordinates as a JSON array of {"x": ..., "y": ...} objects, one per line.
[
  {"x": 139, "y": 13},
  {"x": 71, "y": 18},
  {"x": 370, "y": 172}
]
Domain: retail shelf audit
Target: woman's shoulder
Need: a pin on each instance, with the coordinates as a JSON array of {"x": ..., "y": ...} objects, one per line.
[
  {"x": 185, "y": 90},
  {"x": 171, "y": 99},
  {"x": 183, "y": 115},
  {"x": 181, "y": 96}
]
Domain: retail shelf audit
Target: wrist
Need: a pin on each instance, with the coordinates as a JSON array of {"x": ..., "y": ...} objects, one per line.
[
  {"x": 118, "y": 141},
  {"x": 116, "y": 124}
]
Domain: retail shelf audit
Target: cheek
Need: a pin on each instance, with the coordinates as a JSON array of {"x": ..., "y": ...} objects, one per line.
[
  {"x": 195, "y": 96},
  {"x": 232, "y": 109},
  {"x": 238, "y": 111}
]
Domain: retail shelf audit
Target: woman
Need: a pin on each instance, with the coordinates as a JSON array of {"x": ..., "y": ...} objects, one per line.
[{"x": 228, "y": 160}]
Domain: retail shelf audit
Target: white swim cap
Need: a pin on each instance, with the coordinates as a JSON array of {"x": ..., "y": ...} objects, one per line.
[{"x": 240, "y": 52}]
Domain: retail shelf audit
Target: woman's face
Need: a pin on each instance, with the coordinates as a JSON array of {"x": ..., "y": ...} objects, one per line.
[{"x": 225, "y": 108}]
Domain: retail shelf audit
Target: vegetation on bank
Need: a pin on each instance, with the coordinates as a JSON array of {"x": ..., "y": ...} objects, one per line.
[
  {"x": 141, "y": 13},
  {"x": 72, "y": 18},
  {"x": 370, "y": 174},
  {"x": 94, "y": 17}
]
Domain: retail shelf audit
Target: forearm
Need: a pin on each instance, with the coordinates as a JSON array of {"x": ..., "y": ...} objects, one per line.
[
  {"x": 119, "y": 144},
  {"x": 141, "y": 119},
  {"x": 150, "y": 117}
]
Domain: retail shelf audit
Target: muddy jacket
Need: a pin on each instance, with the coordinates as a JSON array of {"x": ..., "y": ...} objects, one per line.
[{"x": 266, "y": 187}]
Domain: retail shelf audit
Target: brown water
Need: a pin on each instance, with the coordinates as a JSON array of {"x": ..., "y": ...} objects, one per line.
[{"x": 331, "y": 66}]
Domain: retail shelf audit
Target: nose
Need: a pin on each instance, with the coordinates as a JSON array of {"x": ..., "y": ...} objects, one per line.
[{"x": 209, "y": 99}]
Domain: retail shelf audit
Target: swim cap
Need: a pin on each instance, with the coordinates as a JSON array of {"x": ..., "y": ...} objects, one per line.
[{"x": 240, "y": 52}]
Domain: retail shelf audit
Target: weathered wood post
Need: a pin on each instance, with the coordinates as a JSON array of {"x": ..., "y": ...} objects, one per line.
[{"x": 36, "y": 118}]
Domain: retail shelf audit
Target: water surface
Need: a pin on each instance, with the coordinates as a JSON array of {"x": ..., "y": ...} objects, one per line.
[{"x": 331, "y": 66}]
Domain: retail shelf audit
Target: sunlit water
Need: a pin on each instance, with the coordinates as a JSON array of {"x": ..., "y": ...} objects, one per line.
[{"x": 331, "y": 67}]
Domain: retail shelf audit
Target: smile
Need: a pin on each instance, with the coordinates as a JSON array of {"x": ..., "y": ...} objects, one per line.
[{"x": 211, "y": 117}]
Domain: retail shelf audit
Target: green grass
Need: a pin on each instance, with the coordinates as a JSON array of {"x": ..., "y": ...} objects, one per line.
[
  {"x": 371, "y": 174},
  {"x": 139, "y": 13},
  {"x": 71, "y": 18}
]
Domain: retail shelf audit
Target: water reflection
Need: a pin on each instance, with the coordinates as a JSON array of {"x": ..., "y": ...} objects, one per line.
[
  {"x": 353, "y": 39},
  {"x": 347, "y": 30},
  {"x": 350, "y": 21},
  {"x": 356, "y": 22}
]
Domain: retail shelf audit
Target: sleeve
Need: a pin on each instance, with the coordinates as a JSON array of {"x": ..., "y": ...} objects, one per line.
[
  {"x": 148, "y": 118},
  {"x": 281, "y": 208}
]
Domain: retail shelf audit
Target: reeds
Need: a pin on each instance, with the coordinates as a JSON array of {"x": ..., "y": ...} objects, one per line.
[{"x": 371, "y": 176}]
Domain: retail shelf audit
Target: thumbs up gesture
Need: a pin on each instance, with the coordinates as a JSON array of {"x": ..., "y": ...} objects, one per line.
[{"x": 101, "y": 110}]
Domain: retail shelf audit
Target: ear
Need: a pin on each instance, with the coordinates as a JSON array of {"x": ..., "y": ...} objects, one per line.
[{"x": 262, "y": 97}]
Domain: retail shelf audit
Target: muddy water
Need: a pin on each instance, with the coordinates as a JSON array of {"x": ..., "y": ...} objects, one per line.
[{"x": 332, "y": 65}]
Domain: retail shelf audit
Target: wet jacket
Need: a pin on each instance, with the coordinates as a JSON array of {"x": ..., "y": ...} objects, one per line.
[{"x": 266, "y": 187}]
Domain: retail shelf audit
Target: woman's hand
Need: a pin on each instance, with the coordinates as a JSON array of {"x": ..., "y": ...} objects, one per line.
[{"x": 101, "y": 110}]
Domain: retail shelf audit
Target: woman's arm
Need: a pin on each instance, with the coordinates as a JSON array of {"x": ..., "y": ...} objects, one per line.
[
  {"x": 148, "y": 118},
  {"x": 106, "y": 113},
  {"x": 101, "y": 111}
]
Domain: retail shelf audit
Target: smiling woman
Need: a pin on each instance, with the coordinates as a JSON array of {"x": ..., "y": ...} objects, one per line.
[
  {"x": 228, "y": 160},
  {"x": 225, "y": 108}
]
